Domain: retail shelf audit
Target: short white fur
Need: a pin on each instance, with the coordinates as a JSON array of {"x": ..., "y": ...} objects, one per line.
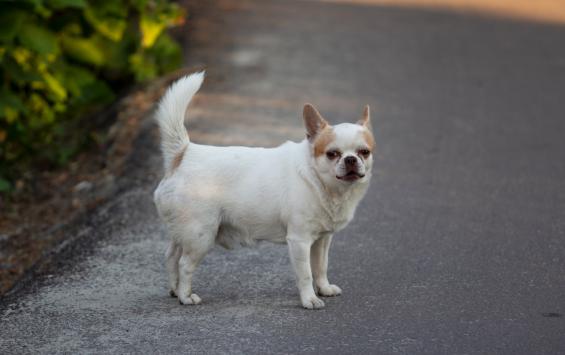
[{"x": 239, "y": 195}]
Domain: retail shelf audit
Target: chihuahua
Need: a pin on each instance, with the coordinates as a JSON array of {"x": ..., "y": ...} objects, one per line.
[{"x": 297, "y": 193}]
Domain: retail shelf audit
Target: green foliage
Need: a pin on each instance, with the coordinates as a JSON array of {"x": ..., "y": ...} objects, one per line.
[{"x": 60, "y": 59}]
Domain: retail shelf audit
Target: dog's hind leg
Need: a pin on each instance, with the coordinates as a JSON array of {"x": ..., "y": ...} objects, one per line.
[
  {"x": 173, "y": 255},
  {"x": 195, "y": 245}
]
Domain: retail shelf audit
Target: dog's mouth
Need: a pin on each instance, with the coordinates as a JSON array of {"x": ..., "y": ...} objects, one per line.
[{"x": 351, "y": 176}]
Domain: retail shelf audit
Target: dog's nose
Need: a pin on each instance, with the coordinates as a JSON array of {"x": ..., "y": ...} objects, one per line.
[{"x": 350, "y": 161}]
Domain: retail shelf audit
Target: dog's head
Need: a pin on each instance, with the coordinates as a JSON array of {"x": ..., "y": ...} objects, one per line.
[{"x": 343, "y": 154}]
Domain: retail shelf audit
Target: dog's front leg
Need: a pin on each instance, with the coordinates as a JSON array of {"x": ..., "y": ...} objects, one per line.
[
  {"x": 319, "y": 260},
  {"x": 299, "y": 250}
]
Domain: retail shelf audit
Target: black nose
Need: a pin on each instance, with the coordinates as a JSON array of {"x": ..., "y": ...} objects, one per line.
[{"x": 350, "y": 161}]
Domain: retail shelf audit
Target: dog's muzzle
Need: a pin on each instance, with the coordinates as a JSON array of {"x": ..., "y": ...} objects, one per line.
[{"x": 351, "y": 169}]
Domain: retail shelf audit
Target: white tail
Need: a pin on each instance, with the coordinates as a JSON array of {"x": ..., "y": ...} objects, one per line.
[{"x": 170, "y": 115}]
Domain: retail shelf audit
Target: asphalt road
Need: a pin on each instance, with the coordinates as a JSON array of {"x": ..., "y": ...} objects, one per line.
[{"x": 458, "y": 248}]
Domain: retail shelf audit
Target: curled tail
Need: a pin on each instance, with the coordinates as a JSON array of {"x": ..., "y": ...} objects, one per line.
[{"x": 170, "y": 116}]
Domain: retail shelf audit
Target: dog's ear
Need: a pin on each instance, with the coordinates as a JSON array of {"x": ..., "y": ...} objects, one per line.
[
  {"x": 365, "y": 120},
  {"x": 313, "y": 121}
]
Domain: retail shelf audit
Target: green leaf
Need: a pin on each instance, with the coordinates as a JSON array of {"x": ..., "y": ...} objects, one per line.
[
  {"x": 150, "y": 28},
  {"x": 38, "y": 39},
  {"x": 167, "y": 53},
  {"x": 9, "y": 100},
  {"x": 143, "y": 66},
  {"x": 61, "y": 4},
  {"x": 36, "y": 3},
  {"x": 97, "y": 92},
  {"x": 116, "y": 53},
  {"x": 5, "y": 185},
  {"x": 10, "y": 22},
  {"x": 108, "y": 18},
  {"x": 19, "y": 74},
  {"x": 139, "y": 5},
  {"x": 75, "y": 78},
  {"x": 55, "y": 88},
  {"x": 85, "y": 50}
]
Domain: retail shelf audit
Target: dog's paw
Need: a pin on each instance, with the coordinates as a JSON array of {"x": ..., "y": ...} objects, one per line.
[
  {"x": 329, "y": 291},
  {"x": 313, "y": 302},
  {"x": 190, "y": 299}
]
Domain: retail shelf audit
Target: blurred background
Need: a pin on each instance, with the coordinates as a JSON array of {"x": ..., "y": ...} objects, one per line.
[{"x": 459, "y": 245}]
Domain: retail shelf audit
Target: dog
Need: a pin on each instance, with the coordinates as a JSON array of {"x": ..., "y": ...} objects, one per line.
[{"x": 297, "y": 193}]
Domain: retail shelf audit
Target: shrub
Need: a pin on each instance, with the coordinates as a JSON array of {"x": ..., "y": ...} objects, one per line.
[{"x": 60, "y": 59}]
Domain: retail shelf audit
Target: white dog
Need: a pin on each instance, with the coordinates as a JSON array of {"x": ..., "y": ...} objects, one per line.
[{"x": 298, "y": 193}]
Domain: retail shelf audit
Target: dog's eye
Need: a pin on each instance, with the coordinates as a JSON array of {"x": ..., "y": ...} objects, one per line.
[
  {"x": 332, "y": 154},
  {"x": 364, "y": 152}
]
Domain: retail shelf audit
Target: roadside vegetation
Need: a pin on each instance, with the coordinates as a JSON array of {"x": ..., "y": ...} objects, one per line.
[{"x": 62, "y": 60}]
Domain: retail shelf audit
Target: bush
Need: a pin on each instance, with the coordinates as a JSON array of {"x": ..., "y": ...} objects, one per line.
[{"x": 60, "y": 59}]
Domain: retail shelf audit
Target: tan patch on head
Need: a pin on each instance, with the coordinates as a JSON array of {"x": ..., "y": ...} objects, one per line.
[
  {"x": 322, "y": 140},
  {"x": 178, "y": 159},
  {"x": 369, "y": 139}
]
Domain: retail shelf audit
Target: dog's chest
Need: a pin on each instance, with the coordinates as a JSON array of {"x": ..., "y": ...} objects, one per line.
[{"x": 331, "y": 219}]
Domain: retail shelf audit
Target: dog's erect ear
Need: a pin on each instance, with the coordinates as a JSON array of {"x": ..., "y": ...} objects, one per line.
[
  {"x": 365, "y": 120},
  {"x": 313, "y": 121}
]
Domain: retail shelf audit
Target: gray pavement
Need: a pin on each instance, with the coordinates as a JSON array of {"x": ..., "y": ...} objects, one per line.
[{"x": 459, "y": 247}]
